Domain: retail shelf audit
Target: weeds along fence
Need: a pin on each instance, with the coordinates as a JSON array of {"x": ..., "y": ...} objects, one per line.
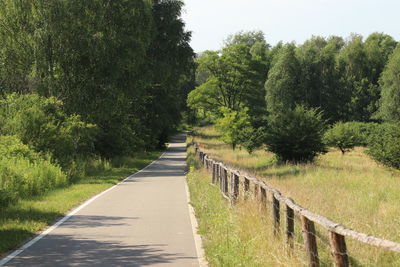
[{"x": 235, "y": 186}]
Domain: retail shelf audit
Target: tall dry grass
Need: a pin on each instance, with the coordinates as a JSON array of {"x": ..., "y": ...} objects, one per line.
[{"x": 350, "y": 189}]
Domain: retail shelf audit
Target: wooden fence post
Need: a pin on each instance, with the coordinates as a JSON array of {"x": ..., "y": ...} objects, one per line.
[
  {"x": 289, "y": 226},
  {"x": 214, "y": 172},
  {"x": 310, "y": 241},
  {"x": 246, "y": 187},
  {"x": 263, "y": 200},
  {"x": 221, "y": 178},
  {"x": 225, "y": 188},
  {"x": 256, "y": 191},
  {"x": 339, "y": 251},
  {"x": 276, "y": 214},
  {"x": 235, "y": 187}
]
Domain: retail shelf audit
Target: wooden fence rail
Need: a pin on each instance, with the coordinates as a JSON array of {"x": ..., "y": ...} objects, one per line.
[{"x": 234, "y": 185}]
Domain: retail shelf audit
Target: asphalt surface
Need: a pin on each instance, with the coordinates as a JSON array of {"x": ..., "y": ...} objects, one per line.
[{"x": 143, "y": 221}]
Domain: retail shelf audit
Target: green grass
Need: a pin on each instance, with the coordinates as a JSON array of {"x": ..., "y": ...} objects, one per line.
[
  {"x": 21, "y": 221},
  {"x": 351, "y": 189}
]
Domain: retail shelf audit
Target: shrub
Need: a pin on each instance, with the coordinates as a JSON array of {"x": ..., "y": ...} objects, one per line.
[
  {"x": 12, "y": 147},
  {"x": 342, "y": 136},
  {"x": 24, "y": 173},
  {"x": 296, "y": 135},
  {"x": 364, "y": 131},
  {"x": 251, "y": 138},
  {"x": 41, "y": 123},
  {"x": 384, "y": 145}
]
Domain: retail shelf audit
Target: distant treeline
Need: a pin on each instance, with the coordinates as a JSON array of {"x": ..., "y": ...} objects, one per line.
[
  {"x": 348, "y": 79},
  {"x": 285, "y": 96}
]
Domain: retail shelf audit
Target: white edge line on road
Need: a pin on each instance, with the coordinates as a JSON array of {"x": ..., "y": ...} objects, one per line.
[
  {"x": 65, "y": 218},
  {"x": 195, "y": 226}
]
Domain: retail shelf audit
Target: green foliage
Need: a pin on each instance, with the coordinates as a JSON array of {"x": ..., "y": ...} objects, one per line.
[
  {"x": 296, "y": 135},
  {"x": 249, "y": 38},
  {"x": 360, "y": 64},
  {"x": 41, "y": 123},
  {"x": 24, "y": 173},
  {"x": 342, "y": 136},
  {"x": 378, "y": 47},
  {"x": 282, "y": 86},
  {"x": 204, "y": 97},
  {"x": 125, "y": 66},
  {"x": 169, "y": 73},
  {"x": 12, "y": 147},
  {"x": 384, "y": 145},
  {"x": 232, "y": 124},
  {"x": 390, "y": 83},
  {"x": 364, "y": 130},
  {"x": 319, "y": 79},
  {"x": 251, "y": 138},
  {"x": 235, "y": 80}
]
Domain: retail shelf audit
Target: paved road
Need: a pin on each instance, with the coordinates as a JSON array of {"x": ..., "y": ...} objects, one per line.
[{"x": 142, "y": 222}]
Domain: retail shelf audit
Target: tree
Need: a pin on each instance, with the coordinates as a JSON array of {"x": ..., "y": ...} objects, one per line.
[
  {"x": 231, "y": 124},
  {"x": 378, "y": 48},
  {"x": 282, "y": 86},
  {"x": 87, "y": 53},
  {"x": 233, "y": 82},
  {"x": 312, "y": 68},
  {"x": 169, "y": 69},
  {"x": 249, "y": 38},
  {"x": 16, "y": 47},
  {"x": 124, "y": 65},
  {"x": 390, "y": 83},
  {"x": 361, "y": 64},
  {"x": 205, "y": 98},
  {"x": 352, "y": 65}
]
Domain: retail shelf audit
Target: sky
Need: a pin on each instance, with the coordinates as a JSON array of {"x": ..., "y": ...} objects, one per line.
[{"x": 212, "y": 21}]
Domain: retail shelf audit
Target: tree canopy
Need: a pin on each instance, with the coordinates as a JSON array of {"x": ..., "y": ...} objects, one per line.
[{"x": 125, "y": 66}]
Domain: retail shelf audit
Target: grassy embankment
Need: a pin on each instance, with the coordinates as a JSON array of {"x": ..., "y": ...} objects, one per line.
[
  {"x": 24, "y": 219},
  {"x": 350, "y": 189}
]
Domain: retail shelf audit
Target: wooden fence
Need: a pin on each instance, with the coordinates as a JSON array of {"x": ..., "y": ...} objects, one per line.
[{"x": 235, "y": 185}]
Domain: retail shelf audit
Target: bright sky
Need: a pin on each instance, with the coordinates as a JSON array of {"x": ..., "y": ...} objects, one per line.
[{"x": 211, "y": 21}]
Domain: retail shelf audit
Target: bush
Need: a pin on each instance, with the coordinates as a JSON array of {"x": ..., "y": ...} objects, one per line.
[
  {"x": 12, "y": 147},
  {"x": 296, "y": 135},
  {"x": 364, "y": 131},
  {"x": 251, "y": 138},
  {"x": 342, "y": 136},
  {"x": 384, "y": 145},
  {"x": 41, "y": 123},
  {"x": 24, "y": 173}
]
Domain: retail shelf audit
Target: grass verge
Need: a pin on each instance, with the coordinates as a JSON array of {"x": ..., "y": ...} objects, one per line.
[
  {"x": 233, "y": 235},
  {"x": 29, "y": 216}
]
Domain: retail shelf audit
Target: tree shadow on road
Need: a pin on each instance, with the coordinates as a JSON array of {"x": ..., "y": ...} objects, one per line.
[{"x": 63, "y": 250}]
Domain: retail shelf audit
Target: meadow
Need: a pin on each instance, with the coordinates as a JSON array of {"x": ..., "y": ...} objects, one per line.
[{"x": 350, "y": 189}]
